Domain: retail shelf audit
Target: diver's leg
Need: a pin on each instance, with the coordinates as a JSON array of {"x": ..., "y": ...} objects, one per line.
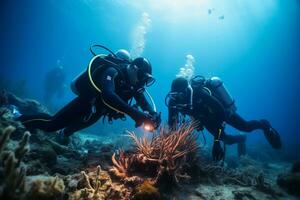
[
  {"x": 24, "y": 118},
  {"x": 61, "y": 119},
  {"x": 240, "y": 140},
  {"x": 81, "y": 124},
  {"x": 241, "y": 124},
  {"x": 233, "y": 139},
  {"x": 270, "y": 133}
]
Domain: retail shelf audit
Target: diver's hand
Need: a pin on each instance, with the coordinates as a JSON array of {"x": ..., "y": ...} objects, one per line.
[
  {"x": 200, "y": 126},
  {"x": 217, "y": 151},
  {"x": 156, "y": 118},
  {"x": 142, "y": 118}
]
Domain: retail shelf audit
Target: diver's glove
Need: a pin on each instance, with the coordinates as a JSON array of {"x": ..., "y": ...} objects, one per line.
[
  {"x": 156, "y": 117},
  {"x": 142, "y": 118},
  {"x": 199, "y": 126},
  {"x": 217, "y": 151}
]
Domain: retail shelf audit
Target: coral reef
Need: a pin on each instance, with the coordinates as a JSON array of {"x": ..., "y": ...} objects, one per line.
[
  {"x": 144, "y": 170},
  {"x": 45, "y": 187},
  {"x": 28, "y": 106},
  {"x": 146, "y": 191},
  {"x": 290, "y": 181},
  {"x": 161, "y": 158},
  {"x": 95, "y": 185},
  {"x": 12, "y": 170}
]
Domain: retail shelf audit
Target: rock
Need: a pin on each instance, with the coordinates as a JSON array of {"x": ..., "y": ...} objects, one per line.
[
  {"x": 107, "y": 148},
  {"x": 290, "y": 182},
  {"x": 93, "y": 145},
  {"x": 296, "y": 167},
  {"x": 100, "y": 155},
  {"x": 35, "y": 167},
  {"x": 224, "y": 192},
  {"x": 95, "y": 158},
  {"x": 66, "y": 166},
  {"x": 45, "y": 154},
  {"x": 232, "y": 162},
  {"x": 26, "y": 106}
]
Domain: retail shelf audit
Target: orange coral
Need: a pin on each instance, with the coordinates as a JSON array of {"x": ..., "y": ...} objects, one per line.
[{"x": 166, "y": 151}]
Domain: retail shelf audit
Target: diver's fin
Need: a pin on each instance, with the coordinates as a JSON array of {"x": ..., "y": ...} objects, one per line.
[
  {"x": 273, "y": 138},
  {"x": 272, "y": 135}
]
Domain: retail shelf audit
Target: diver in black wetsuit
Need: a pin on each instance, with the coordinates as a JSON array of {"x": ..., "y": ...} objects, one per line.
[
  {"x": 104, "y": 89},
  {"x": 208, "y": 102},
  {"x": 54, "y": 84}
]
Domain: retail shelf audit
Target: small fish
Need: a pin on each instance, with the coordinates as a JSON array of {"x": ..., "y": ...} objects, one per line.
[
  {"x": 221, "y": 17},
  {"x": 14, "y": 111},
  {"x": 210, "y": 10}
]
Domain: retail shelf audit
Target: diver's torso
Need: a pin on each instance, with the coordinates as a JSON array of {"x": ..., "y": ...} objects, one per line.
[{"x": 201, "y": 110}]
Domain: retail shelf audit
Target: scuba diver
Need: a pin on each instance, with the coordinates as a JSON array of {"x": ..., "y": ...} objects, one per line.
[
  {"x": 54, "y": 84},
  {"x": 208, "y": 102},
  {"x": 105, "y": 89}
]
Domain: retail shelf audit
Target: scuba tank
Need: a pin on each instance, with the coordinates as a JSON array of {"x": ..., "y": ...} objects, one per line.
[
  {"x": 215, "y": 86},
  {"x": 84, "y": 84},
  {"x": 218, "y": 89}
]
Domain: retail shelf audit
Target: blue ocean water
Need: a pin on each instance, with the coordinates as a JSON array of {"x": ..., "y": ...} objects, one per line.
[{"x": 252, "y": 45}]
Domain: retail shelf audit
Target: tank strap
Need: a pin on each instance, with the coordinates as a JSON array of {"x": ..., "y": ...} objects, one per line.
[
  {"x": 90, "y": 77},
  {"x": 90, "y": 72},
  {"x": 92, "y": 111},
  {"x": 208, "y": 90}
]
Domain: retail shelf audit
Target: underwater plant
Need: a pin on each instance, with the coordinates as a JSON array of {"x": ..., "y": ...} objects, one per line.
[
  {"x": 11, "y": 167},
  {"x": 160, "y": 158}
]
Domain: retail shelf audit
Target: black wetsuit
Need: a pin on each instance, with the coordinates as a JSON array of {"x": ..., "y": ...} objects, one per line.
[
  {"x": 89, "y": 106},
  {"x": 210, "y": 112},
  {"x": 54, "y": 84}
]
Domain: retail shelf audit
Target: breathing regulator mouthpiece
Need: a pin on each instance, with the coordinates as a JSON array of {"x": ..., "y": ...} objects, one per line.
[{"x": 181, "y": 94}]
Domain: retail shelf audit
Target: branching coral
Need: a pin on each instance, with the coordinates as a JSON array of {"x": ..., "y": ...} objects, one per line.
[
  {"x": 45, "y": 187},
  {"x": 245, "y": 176},
  {"x": 90, "y": 190},
  {"x": 98, "y": 185},
  {"x": 165, "y": 152},
  {"x": 14, "y": 173},
  {"x": 121, "y": 165}
]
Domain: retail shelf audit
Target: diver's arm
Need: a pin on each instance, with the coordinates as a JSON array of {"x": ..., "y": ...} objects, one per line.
[
  {"x": 213, "y": 104},
  {"x": 142, "y": 102},
  {"x": 111, "y": 99}
]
